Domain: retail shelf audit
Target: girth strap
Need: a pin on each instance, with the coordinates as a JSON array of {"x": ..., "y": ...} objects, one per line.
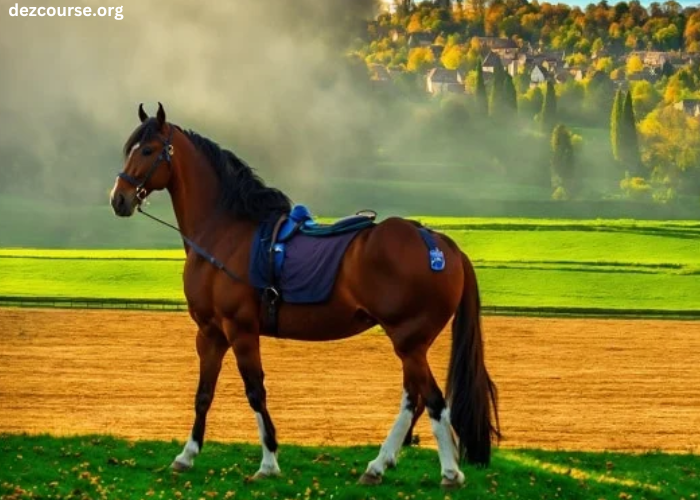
[{"x": 271, "y": 295}]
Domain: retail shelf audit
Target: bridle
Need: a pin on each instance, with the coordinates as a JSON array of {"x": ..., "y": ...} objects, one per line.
[{"x": 166, "y": 155}]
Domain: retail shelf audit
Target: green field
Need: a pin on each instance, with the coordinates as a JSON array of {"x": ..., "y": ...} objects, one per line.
[
  {"x": 103, "y": 467},
  {"x": 531, "y": 266}
]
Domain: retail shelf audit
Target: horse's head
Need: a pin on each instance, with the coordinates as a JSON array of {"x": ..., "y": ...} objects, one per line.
[{"x": 148, "y": 164}]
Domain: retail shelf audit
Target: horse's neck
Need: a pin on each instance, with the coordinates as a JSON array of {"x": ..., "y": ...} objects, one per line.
[{"x": 194, "y": 190}]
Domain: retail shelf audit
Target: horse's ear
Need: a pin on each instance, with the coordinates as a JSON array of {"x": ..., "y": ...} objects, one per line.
[
  {"x": 142, "y": 114},
  {"x": 160, "y": 116}
]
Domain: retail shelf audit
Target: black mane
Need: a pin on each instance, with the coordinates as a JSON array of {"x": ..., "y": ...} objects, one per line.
[{"x": 243, "y": 193}]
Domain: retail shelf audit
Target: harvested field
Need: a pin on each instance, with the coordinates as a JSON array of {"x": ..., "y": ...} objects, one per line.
[{"x": 564, "y": 384}]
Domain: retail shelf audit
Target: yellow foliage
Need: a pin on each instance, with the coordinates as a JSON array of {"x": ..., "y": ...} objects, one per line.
[
  {"x": 636, "y": 188},
  {"x": 415, "y": 25},
  {"x": 604, "y": 64},
  {"x": 420, "y": 59},
  {"x": 634, "y": 65},
  {"x": 453, "y": 57}
]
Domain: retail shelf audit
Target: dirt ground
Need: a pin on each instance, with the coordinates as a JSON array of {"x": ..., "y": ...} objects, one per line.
[{"x": 564, "y": 384}]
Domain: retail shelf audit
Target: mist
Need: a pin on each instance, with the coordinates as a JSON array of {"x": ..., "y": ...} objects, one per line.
[{"x": 267, "y": 79}]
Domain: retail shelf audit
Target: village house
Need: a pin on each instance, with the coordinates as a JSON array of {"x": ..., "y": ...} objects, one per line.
[
  {"x": 490, "y": 62},
  {"x": 442, "y": 81},
  {"x": 437, "y": 51},
  {"x": 647, "y": 75},
  {"x": 504, "y": 47},
  {"x": 420, "y": 39},
  {"x": 538, "y": 75},
  {"x": 690, "y": 107}
]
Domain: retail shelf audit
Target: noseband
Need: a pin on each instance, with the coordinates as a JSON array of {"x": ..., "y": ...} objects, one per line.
[{"x": 166, "y": 155}]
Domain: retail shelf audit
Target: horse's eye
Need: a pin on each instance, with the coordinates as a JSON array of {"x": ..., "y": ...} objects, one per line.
[{"x": 146, "y": 151}]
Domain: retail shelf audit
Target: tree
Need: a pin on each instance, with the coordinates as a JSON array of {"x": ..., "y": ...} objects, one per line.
[
  {"x": 420, "y": 59},
  {"x": 496, "y": 102},
  {"x": 482, "y": 102},
  {"x": 634, "y": 65},
  {"x": 549, "y": 108},
  {"x": 563, "y": 164},
  {"x": 615, "y": 118},
  {"x": 629, "y": 143},
  {"x": 671, "y": 142},
  {"x": 510, "y": 98},
  {"x": 645, "y": 97},
  {"x": 604, "y": 64}
]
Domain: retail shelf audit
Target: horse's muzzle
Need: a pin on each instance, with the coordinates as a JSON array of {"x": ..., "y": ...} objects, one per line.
[{"x": 123, "y": 205}]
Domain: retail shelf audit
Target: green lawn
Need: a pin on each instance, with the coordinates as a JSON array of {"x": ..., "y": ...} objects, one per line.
[
  {"x": 535, "y": 264},
  {"x": 108, "y": 468}
]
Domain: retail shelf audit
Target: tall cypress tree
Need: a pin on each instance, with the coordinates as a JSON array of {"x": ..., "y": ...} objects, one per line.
[
  {"x": 482, "y": 100},
  {"x": 615, "y": 118},
  {"x": 549, "y": 108},
  {"x": 510, "y": 98},
  {"x": 629, "y": 143},
  {"x": 496, "y": 103},
  {"x": 563, "y": 164}
]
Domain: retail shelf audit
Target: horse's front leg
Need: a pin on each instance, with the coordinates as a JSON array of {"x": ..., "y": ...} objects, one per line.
[
  {"x": 211, "y": 348},
  {"x": 246, "y": 347}
]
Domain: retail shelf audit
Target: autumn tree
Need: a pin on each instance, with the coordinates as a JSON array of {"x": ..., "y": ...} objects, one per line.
[
  {"x": 671, "y": 148},
  {"x": 634, "y": 65},
  {"x": 420, "y": 59}
]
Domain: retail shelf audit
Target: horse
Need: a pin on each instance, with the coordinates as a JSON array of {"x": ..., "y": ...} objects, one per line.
[{"x": 383, "y": 279}]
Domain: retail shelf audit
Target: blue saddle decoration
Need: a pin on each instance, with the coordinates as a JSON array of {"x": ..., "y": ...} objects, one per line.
[
  {"x": 437, "y": 258},
  {"x": 306, "y": 254}
]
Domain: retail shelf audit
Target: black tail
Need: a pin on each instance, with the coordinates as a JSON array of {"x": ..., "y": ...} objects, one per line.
[{"x": 471, "y": 394}]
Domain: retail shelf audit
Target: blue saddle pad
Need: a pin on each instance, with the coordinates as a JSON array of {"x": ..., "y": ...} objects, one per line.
[{"x": 307, "y": 265}]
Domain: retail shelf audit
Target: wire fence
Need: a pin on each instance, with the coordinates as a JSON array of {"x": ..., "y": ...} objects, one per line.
[
  {"x": 176, "y": 305},
  {"x": 92, "y": 303}
]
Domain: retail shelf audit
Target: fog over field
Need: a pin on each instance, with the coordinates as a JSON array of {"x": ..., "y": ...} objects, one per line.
[{"x": 265, "y": 79}]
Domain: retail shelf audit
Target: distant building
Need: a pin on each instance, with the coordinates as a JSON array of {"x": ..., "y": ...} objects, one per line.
[
  {"x": 492, "y": 60},
  {"x": 441, "y": 81},
  {"x": 690, "y": 107}
]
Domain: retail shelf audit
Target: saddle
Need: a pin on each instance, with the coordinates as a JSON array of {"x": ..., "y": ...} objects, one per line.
[{"x": 287, "y": 226}]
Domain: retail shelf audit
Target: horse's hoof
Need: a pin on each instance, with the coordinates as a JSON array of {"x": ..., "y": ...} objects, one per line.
[
  {"x": 370, "y": 479},
  {"x": 262, "y": 475},
  {"x": 179, "y": 466},
  {"x": 453, "y": 483}
]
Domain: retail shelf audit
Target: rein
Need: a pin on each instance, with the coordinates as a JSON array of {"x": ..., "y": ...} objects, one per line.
[
  {"x": 197, "y": 249},
  {"x": 141, "y": 193}
]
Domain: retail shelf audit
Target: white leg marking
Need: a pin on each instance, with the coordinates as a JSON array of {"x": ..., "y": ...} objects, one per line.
[
  {"x": 392, "y": 444},
  {"x": 186, "y": 459},
  {"x": 268, "y": 466},
  {"x": 447, "y": 448}
]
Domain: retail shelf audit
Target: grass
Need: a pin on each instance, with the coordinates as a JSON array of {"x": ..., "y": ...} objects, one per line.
[
  {"x": 99, "y": 467},
  {"x": 606, "y": 266}
]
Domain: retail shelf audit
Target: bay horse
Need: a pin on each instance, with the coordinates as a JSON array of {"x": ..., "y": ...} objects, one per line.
[{"x": 383, "y": 279}]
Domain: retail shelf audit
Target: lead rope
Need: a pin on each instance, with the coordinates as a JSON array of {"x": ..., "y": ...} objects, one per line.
[{"x": 197, "y": 249}]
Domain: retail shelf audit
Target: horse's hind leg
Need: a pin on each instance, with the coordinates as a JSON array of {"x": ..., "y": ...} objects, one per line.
[
  {"x": 420, "y": 408},
  {"x": 419, "y": 383},
  {"x": 211, "y": 348},
  {"x": 247, "y": 350},
  {"x": 387, "y": 453}
]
